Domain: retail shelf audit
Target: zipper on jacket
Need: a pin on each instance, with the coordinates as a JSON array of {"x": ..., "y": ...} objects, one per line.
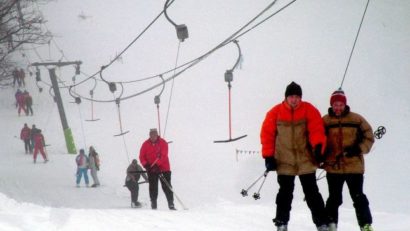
[{"x": 293, "y": 139}]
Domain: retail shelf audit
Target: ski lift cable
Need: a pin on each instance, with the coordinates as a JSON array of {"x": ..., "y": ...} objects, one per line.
[
  {"x": 166, "y": 15},
  {"x": 82, "y": 126},
  {"x": 197, "y": 60},
  {"x": 129, "y": 45},
  {"x": 172, "y": 89},
  {"x": 126, "y": 149},
  {"x": 157, "y": 100},
  {"x": 49, "y": 116},
  {"x": 117, "y": 102},
  {"x": 117, "y": 56},
  {"x": 354, "y": 44},
  {"x": 92, "y": 102},
  {"x": 229, "y": 79},
  {"x": 239, "y": 56},
  {"x": 202, "y": 57},
  {"x": 190, "y": 62},
  {"x": 230, "y": 39}
]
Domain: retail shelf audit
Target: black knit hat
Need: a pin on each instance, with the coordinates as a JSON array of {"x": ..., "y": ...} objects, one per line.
[{"x": 293, "y": 89}]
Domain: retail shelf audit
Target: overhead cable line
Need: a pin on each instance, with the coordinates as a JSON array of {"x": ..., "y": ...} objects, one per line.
[
  {"x": 128, "y": 46},
  {"x": 222, "y": 44},
  {"x": 195, "y": 61},
  {"x": 171, "y": 91},
  {"x": 354, "y": 44}
]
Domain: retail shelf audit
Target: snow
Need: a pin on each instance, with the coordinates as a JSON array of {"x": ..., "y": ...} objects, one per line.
[{"x": 309, "y": 43}]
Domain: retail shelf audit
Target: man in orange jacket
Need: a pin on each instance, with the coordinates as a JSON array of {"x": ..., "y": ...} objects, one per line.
[{"x": 288, "y": 133}]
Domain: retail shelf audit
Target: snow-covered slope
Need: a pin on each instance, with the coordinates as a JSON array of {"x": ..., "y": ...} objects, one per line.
[{"x": 309, "y": 43}]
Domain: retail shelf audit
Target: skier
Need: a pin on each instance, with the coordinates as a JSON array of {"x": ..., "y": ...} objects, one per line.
[
  {"x": 18, "y": 92},
  {"x": 288, "y": 132},
  {"x": 25, "y": 136},
  {"x": 134, "y": 172},
  {"x": 28, "y": 100},
  {"x": 94, "y": 160},
  {"x": 154, "y": 157},
  {"x": 21, "y": 102},
  {"x": 39, "y": 144},
  {"x": 82, "y": 168},
  {"x": 349, "y": 137},
  {"x": 16, "y": 78},
  {"x": 34, "y": 131},
  {"x": 22, "y": 76}
]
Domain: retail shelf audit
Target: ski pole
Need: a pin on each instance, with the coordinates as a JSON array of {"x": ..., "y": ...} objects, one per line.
[
  {"x": 257, "y": 195},
  {"x": 245, "y": 192},
  {"x": 161, "y": 176}
]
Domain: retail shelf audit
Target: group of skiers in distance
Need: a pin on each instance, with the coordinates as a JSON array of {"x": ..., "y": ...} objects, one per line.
[
  {"x": 34, "y": 142},
  {"x": 85, "y": 163},
  {"x": 19, "y": 77},
  {"x": 24, "y": 102}
]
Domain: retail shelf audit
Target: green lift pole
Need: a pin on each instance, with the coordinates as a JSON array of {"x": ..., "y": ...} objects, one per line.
[{"x": 68, "y": 135}]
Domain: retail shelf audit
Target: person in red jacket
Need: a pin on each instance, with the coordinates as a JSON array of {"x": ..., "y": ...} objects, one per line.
[
  {"x": 288, "y": 133},
  {"x": 39, "y": 146},
  {"x": 21, "y": 102},
  {"x": 25, "y": 136},
  {"x": 154, "y": 157}
]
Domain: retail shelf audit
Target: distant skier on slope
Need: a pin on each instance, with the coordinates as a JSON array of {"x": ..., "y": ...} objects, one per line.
[
  {"x": 28, "y": 101},
  {"x": 82, "y": 168},
  {"x": 22, "y": 76},
  {"x": 20, "y": 102},
  {"x": 154, "y": 158},
  {"x": 25, "y": 137},
  {"x": 39, "y": 144},
  {"x": 349, "y": 137},
  {"x": 34, "y": 131},
  {"x": 288, "y": 133},
  {"x": 94, "y": 160},
  {"x": 134, "y": 172}
]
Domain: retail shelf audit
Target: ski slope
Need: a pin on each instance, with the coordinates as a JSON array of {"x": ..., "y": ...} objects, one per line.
[{"x": 308, "y": 43}]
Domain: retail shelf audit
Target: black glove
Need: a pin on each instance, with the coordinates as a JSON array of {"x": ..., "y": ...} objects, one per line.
[
  {"x": 319, "y": 157},
  {"x": 352, "y": 151},
  {"x": 270, "y": 164}
]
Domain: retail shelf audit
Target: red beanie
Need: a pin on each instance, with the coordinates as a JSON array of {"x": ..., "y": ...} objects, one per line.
[{"x": 338, "y": 95}]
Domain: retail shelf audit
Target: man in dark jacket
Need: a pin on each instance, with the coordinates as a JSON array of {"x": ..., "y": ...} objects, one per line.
[
  {"x": 154, "y": 158},
  {"x": 349, "y": 137},
  {"x": 134, "y": 172},
  {"x": 29, "y": 103},
  {"x": 25, "y": 136}
]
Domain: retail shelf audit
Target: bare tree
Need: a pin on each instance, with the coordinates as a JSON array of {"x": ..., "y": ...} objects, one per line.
[{"x": 20, "y": 24}]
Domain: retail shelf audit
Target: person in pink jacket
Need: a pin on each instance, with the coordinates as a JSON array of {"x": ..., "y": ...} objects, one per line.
[
  {"x": 39, "y": 146},
  {"x": 154, "y": 158}
]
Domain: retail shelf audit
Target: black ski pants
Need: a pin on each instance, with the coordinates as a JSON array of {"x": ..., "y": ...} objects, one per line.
[
  {"x": 134, "y": 189},
  {"x": 27, "y": 146},
  {"x": 153, "y": 179},
  {"x": 312, "y": 195},
  {"x": 29, "y": 109},
  {"x": 355, "y": 184}
]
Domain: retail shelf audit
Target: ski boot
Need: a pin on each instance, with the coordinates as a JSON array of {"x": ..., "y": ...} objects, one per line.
[
  {"x": 366, "y": 227},
  {"x": 323, "y": 228},
  {"x": 136, "y": 204},
  {"x": 153, "y": 205},
  {"x": 281, "y": 226},
  {"x": 332, "y": 226}
]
